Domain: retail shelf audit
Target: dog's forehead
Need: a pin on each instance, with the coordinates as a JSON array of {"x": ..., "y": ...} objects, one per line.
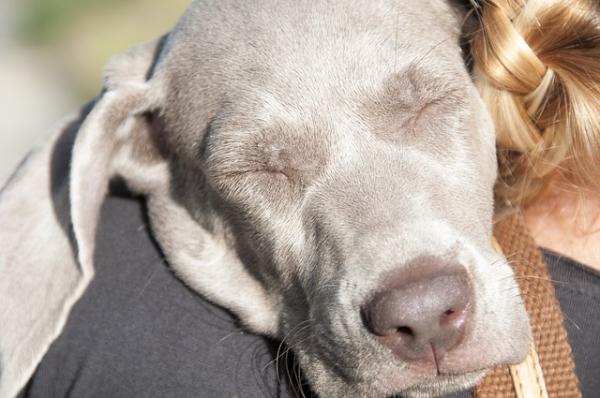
[
  {"x": 254, "y": 58},
  {"x": 310, "y": 38}
]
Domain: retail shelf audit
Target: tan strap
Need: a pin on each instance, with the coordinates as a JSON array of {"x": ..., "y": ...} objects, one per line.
[
  {"x": 549, "y": 370},
  {"x": 528, "y": 378}
]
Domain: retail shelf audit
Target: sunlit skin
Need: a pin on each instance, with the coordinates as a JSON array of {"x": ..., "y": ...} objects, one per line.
[{"x": 567, "y": 222}]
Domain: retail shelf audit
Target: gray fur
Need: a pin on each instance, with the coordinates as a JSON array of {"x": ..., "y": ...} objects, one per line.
[{"x": 291, "y": 153}]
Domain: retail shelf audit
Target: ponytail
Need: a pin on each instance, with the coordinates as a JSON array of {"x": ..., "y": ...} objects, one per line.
[{"x": 537, "y": 66}]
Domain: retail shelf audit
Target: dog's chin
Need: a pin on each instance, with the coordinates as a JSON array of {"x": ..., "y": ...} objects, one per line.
[
  {"x": 390, "y": 384},
  {"x": 442, "y": 385}
]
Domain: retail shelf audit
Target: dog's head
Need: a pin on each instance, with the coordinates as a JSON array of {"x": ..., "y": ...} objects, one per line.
[{"x": 324, "y": 170}]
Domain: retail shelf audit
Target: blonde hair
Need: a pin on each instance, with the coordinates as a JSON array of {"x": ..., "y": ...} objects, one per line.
[{"x": 537, "y": 66}]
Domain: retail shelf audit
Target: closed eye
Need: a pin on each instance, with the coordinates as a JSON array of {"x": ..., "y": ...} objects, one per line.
[{"x": 420, "y": 120}]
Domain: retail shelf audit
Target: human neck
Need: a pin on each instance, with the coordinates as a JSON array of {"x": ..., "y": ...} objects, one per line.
[{"x": 568, "y": 222}]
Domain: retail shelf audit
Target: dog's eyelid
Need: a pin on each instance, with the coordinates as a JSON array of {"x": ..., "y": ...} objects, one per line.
[{"x": 246, "y": 175}]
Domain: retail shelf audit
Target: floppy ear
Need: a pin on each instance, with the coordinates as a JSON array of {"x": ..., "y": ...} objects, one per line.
[
  {"x": 116, "y": 139},
  {"x": 43, "y": 270}
]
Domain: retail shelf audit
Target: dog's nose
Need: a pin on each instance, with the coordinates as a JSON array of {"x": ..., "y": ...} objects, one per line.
[{"x": 421, "y": 318}]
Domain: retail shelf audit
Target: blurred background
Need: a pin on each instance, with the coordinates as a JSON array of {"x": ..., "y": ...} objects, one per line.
[{"x": 51, "y": 57}]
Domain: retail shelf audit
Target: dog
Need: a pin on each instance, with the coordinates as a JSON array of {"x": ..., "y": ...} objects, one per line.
[{"x": 322, "y": 169}]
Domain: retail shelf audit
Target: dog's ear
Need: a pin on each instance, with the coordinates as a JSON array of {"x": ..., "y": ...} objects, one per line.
[
  {"x": 120, "y": 139},
  {"x": 43, "y": 270},
  {"x": 117, "y": 139}
]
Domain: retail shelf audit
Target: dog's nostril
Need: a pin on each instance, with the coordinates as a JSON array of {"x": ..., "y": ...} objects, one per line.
[
  {"x": 405, "y": 330},
  {"x": 453, "y": 315},
  {"x": 415, "y": 314}
]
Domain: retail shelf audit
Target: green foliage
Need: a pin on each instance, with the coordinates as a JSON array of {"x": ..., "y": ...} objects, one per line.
[
  {"x": 44, "y": 20},
  {"x": 77, "y": 37}
]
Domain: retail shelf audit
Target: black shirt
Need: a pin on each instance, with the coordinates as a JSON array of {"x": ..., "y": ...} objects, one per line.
[{"x": 578, "y": 291}]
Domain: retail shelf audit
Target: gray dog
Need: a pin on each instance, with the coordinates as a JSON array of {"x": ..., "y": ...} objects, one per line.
[{"x": 322, "y": 169}]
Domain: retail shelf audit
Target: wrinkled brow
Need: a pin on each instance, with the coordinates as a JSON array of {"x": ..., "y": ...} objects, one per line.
[
  {"x": 407, "y": 100},
  {"x": 297, "y": 151}
]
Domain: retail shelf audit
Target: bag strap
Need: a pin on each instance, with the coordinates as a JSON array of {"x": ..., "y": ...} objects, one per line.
[{"x": 548, "y": 370}]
